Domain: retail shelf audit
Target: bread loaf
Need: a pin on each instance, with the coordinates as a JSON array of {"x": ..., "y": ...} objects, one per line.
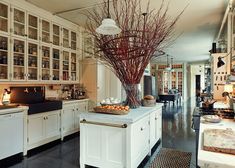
[{"x": 148, "y": 97}]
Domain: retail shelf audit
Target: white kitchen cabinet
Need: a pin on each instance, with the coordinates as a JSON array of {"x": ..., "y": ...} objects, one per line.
[
  {"x": 43, "y": 128},
  {"x": 23, "y": 25},
  {"x": 113, "y": 141},
  {"x": 71, "y": 116}
]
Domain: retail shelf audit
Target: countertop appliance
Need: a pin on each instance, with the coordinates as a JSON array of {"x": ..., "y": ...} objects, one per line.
[
  {"x": 34, "y": 98},
  {"x": 11, "y": 130},
  {"x": 225, "y": 113}
]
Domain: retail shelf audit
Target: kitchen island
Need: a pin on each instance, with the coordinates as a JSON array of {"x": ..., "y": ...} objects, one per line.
[
  {"x": 119, "y": 141},
  {"x": 207, "y": 159}
]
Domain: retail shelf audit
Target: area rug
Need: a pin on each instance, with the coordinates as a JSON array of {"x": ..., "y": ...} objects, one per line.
[{"x": 170, "y": 158}]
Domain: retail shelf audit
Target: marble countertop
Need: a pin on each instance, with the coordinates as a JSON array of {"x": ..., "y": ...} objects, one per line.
[
  {"x": 73, "y": 101},
  {"x": 133, "y": 116},
  {"x": 13, "y": 110},
  {"x": 207, "y": 159}
]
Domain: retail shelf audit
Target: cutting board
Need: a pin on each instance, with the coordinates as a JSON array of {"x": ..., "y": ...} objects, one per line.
[{"x": 219, "y": 140}]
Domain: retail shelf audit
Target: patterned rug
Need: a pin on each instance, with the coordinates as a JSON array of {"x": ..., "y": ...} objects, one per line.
[{"x": 170, "y": 158}]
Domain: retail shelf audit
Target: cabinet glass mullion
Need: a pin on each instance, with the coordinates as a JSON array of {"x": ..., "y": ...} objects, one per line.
[
  {"x": 45, "y": 63},
  {"x": 4, "y": 58},
  {"x": 32, "y": 61},
  {"x": 19, "y": 60}
]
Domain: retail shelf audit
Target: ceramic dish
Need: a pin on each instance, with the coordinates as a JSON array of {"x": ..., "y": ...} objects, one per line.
[{"x": 212, "y": 118}]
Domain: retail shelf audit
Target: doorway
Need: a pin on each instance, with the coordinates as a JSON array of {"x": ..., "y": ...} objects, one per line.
[{"x": 198, "y": 85}]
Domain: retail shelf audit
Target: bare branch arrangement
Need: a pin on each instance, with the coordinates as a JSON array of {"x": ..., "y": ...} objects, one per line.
[{"x": 143, "y": 34}]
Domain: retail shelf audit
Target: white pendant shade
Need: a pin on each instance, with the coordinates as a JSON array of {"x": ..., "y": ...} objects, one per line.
[{"x": 108, "y": 27}]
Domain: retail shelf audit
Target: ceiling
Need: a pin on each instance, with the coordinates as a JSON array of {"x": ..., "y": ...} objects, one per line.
[{"x": 197, "y": 27}]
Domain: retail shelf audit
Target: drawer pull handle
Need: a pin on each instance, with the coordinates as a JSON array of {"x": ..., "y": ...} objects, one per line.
[{"x": 103, "y": 124}]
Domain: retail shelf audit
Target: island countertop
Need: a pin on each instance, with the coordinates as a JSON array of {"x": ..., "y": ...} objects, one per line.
[
  {"x": 207, "y": 159},
  {"x": 133, "y": 116}
]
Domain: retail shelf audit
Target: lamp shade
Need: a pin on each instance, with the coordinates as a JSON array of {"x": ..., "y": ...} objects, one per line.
[
  {"x": 228, "y": 88},
  {"x": 108, "y": 27}
]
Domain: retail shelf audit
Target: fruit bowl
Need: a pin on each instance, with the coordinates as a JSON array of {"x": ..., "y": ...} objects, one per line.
[{"x": 112, "y": 109}]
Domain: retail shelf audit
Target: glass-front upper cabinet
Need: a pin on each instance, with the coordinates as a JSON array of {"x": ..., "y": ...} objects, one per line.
[
  {"x": 56, "y": 35},
  {"x": 55, "y": 64},
  {"x": 45, "y": 63},
  {"x": 33, "y": 27},
  {"x": 73, "y": 63},
  {"x": 32, "y": 61},
  {"x": 66, "y": 38},
  {"x": 73, "y": 40},
  {"x": 65, "y": 63},
  {"x": 19, "y": 59},
  {"x": 45, "y": 31},
  {"x": 4, "y": 18},
  {"x": 4, "y": 58},
  {"x": 19, "y": 20}
]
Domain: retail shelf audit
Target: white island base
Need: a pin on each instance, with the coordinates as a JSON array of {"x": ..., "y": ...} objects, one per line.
[{"x": 119, "y": 141}]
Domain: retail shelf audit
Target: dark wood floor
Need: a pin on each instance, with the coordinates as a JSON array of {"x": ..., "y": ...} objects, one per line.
[{"x": 177, "y": 134}]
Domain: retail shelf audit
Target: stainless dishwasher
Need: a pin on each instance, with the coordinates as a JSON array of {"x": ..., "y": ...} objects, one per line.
[{"x": 11, "y": 134}]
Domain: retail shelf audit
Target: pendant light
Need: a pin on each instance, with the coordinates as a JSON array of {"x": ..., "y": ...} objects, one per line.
[
  {"x": 168, "y": 66},
  {"x": 108, "y": 26},
  {"x": 172, "y": 69}
]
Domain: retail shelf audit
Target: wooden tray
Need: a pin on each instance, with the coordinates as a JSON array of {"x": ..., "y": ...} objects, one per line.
[
  {"x": 219, "y": 140},
  {"x": 98, "y": 109}
]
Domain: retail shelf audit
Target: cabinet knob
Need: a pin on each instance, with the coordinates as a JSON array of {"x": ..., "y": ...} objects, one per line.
[
  {"x": 155, "y": 118},
  {"x": 141, "y": 129}
]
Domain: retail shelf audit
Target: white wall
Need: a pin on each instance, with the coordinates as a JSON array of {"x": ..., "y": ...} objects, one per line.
[{"x": 196, "y": 69}]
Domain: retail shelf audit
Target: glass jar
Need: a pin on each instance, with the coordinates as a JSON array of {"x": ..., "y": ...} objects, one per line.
[{"x": 133, "y": 95}]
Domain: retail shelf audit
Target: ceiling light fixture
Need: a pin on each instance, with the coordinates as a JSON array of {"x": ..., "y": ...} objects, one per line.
[
  {"x": 108, "y": 26},
  {"x": 168, "y": 66}
]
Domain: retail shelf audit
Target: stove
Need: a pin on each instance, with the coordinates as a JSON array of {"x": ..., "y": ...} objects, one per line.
[
  {"x": 34, "y": 98},
  {"x": 224, "y": 113}
]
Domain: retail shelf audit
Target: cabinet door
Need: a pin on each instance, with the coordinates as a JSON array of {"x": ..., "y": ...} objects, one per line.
[
  {"x": 87, "y": 45},
  {"x": 56, "y": 67},
  {"x": 158, "y": 121},
  {"x": 33, "y": 61},
  {"x": 68, "y": 119},
  {"x": 19, "y": 61},
  {"x": 33, "y": 27},
  {"x": 73, "y": 40},
  {"x": 19, "y": 22},
  {"x": 77, "y": 118},
  {"x": 4, "y": 18},
  {"x": 65, "y": 66},
  {"x": 36, "y": 128},
  {"x": 45, "y": 63},
  {"x": 74, "y": 68},
  {"x": 56, "y": 34},
  {"x": 66, "y": 38},
  {"x": 45, "y": 31},
  {"x": 52, "y": 124},
  {"x": 4, "y": 58},
  {"x": 140, "y": 142},
  {"x": 153, "y": 129}
]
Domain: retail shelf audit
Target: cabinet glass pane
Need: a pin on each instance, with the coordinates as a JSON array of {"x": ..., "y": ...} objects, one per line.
[
  {"x": 33, "y": 27},
  {"x": 3, "y": 17},
  {"x": 73, "y": 66},
  {"x": 32, "y": 61},
  {"x": 19, "y": 60},
  {"x": 56, "y": 35},
  {"x": 45, "y": 31},
  {"x": 45, "y": 63},
  {"x": 19, "y": 22},
  {"x": 56, "y": 64},
  {"x": 65, "y": 65},
  {"x": 3, "y": 57},
  {"x": 65, "y": 38},
  {"x": 73, "y": 41}
]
